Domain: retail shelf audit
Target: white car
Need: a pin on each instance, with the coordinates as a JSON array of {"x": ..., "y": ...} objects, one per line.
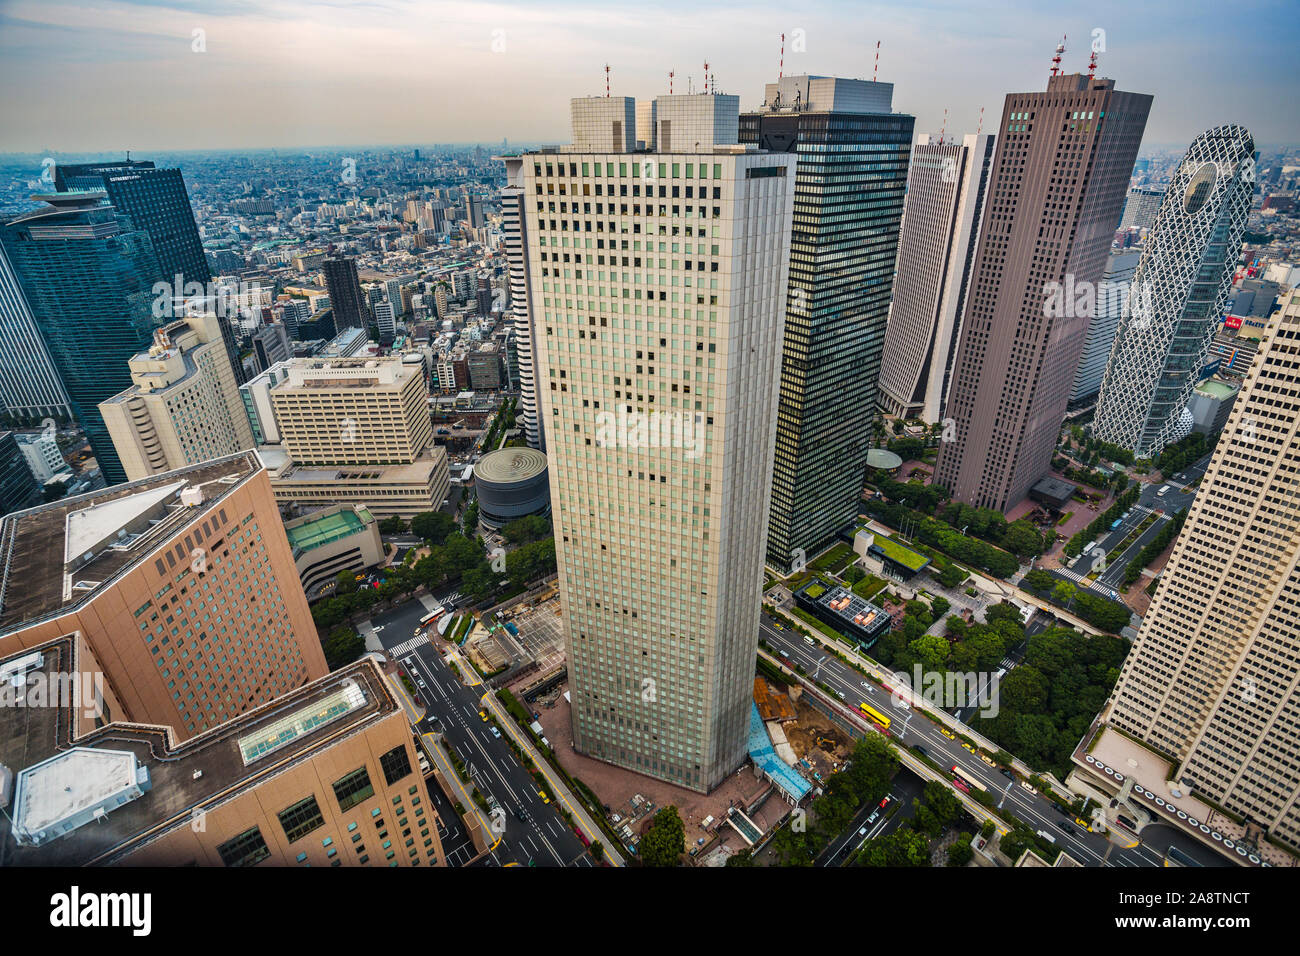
[
  {"x": 1026, "y": 786},
  {"x": 495, "y": 733}
]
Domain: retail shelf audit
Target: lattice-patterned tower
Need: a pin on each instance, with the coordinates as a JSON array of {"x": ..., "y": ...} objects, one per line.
[{"x": 1178, "y": 293}]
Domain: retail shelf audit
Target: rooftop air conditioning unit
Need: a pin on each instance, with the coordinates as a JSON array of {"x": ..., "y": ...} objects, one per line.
[{"x": 192, "y": 496}]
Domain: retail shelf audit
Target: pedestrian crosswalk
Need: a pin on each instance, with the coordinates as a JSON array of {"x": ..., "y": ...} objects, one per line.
[
  {"x": 401, "y": 650},
  {"x": 1083, "y": 582}
]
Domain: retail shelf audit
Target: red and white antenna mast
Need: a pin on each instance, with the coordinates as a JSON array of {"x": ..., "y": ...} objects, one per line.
[
  {"x": 1056, "y": 60},
  {"x": 780, "y": 72},
  {"x": 875, "y": 71},
  {"x": 1092, "y": 64},
  {"x": 706, "y": 76},
  {"x": 944, "y": 127},
  {"x": 979, "y": 129},
  {"x": 670, "y": 82},
  {"x": 606, "y": 79}
]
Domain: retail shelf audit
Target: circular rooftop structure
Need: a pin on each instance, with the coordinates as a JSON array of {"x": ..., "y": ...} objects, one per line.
[
  {"x": 883, "y": 458},
  {"x": 511, "y": 483}
]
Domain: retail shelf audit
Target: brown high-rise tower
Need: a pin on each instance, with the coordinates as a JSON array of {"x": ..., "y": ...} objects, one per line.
[{"x": 1055, "y": 197}]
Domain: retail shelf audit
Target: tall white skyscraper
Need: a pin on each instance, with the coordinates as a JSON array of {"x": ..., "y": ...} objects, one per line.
[
  {"x": 658, "y": 286},
  {"x": 1178, "y": 294},
  {"x": 512, "y": 227},
  {"x": 1112, "y": 293},
  {"x": 1211, "y": 683},
  {"x": 936, "y": 249}
]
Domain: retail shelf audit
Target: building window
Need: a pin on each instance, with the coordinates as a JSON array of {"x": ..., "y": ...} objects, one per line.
[
  {"x": 353, "y": 789},
  {"x": 247, "y": 849},
  {"x": 301, "y": 818},
  {"x": 395, "y": 764}
]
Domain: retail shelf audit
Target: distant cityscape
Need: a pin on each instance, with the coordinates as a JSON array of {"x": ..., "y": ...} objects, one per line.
[{"x": 754, "y": 480}]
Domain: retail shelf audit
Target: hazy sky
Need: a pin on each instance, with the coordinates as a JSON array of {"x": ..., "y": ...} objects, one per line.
[{"x": 115, "y": 74}]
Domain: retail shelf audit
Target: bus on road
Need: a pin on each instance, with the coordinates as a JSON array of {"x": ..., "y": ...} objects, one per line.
[
  {"x": 875, "y": 715},
  {"x": 432, "y": 616},
  {"x": 959, "y": 775}
]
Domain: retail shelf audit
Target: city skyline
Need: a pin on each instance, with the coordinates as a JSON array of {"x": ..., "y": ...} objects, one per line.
[
  {"x": 512, "y": 52},
  {"x": 704, "y": 486}
]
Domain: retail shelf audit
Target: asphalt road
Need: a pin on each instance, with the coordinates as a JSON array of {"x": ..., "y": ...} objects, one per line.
[
  {"x": 906, "y": 787},
  {"x": 1178, "y": 497},
  {"x": 909, "y": 728},
  {"x": 544, "y": 837}
]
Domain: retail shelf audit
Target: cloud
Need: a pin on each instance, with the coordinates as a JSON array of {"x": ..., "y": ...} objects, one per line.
[{"x": 293, "y": 73}]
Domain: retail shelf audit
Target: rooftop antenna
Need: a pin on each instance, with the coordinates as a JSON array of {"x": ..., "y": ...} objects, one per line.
[
  {"x": 606, "y": 79},
  {"x": 670, "y": 82},
  {"x": 1056, "y": 60},
  {"x": 876, "y": 70},
  {"x": 1092, "y": 64},
  {"x": 944, "y": 127},
  {"x": 706, "y": 77},
  {"x": 979, "y": 129},
  {"x": 780, "y": 71}
]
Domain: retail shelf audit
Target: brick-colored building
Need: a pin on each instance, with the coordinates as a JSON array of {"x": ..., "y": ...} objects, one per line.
[
  {"x": 326, "y": 775},
  {"x": 182, "y": 587}
]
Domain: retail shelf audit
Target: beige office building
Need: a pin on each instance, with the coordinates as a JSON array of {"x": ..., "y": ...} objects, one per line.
[
  {"x": 1213, "y": 680},
  {"x": 326, "y": 774},
  {"x": 352, "y": 411},
  {"x": 657, "y": 284},
  {"x": 182, "y": 586},
  {"x": 356, "y": 432},
  {"x": 183, "y": 406}
]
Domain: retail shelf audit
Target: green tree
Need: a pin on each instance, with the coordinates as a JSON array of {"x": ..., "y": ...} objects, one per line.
[
  {"x": 741, "y": 858},
  {"x": 1022, "y": 538},
  {"x": 1038, "y": 580},
  {"x": 960, "y": 852},
  {"x": 392, "y": 525},
  {"x": 952, "y": 576},
  {"x": 872, "y": 767},
  {"x": 345, "y": 582},
  {"x": 900, "y": 848},
  {"x": 342, "y": 646},
  {"x": 433, "y": 526},
  {"x": 526, "y": 529},
  {"x": 931, "y": 650},
  {"x": 665, "y": 841},
  {"x": 1063, "y": 593},
  {"x": 939, "y": 606}
]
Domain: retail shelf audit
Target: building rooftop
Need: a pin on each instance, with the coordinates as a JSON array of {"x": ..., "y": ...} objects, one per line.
[
  {"x": 912, "y": 560},
  {"x": 508, "y": 465},
  {"x": 59, "y": 555},
  {"x": 101, "y": 795},
  {"x": 1215, "y": 389},
  {"x": 319, "y": 529}
]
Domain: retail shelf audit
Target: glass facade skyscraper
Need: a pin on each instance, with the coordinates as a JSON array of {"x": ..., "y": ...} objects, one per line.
[
  {"x": 88, "y": 275},
  {"x": 850, "y": 183},
  {"x": 1178, "y": 295},
  {"x": 18, "y": 489},
  {"x": 158, "y": 203}
]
